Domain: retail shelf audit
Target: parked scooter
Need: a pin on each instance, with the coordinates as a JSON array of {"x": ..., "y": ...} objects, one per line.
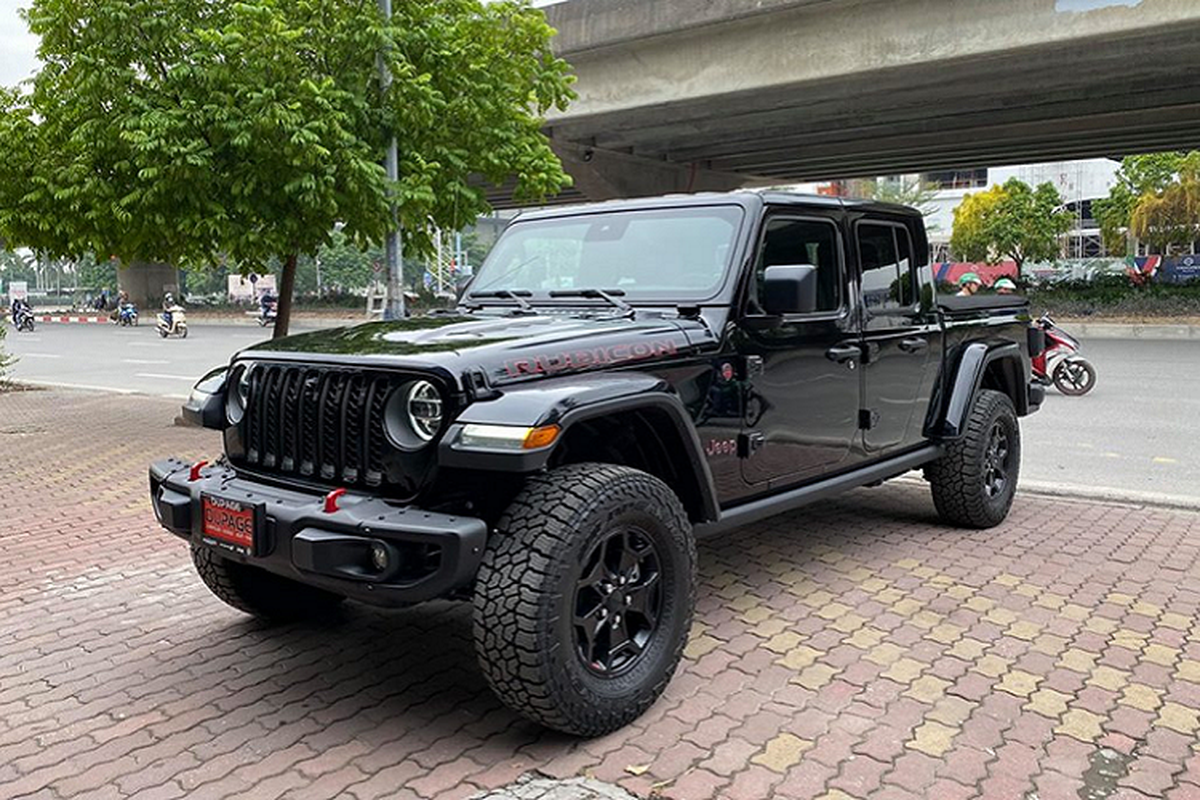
[
  {"x": 1060, "y": 363},
  {"x": 173, "y": 322},
  {"x": 127, "y": 315}
]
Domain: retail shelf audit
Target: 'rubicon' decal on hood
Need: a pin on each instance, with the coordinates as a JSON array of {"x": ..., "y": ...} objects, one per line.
[{"x": 583, "y": 359}]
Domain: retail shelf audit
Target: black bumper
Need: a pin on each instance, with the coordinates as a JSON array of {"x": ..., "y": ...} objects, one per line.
[
  {"x": 430, "y": 554},
  {"x": 1037, "y": 395}
]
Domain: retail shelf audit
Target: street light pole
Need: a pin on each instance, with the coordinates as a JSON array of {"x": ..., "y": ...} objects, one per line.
[{"x": 394, "y": 309}]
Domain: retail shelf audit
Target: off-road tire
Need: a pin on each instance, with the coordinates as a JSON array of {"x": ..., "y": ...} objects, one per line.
[
  {"x": 258, "y": 592},
  {"x": 959, "y": 477},
  {"x": 526, "y": 596}
]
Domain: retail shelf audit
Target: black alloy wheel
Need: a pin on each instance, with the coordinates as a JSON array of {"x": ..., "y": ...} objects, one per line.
[
  {"x": 997, "y": 460},
  {"x": 618, "y": 599}
]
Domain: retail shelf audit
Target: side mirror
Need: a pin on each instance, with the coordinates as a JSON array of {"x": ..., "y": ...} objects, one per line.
[
  {"x": 205, "y": 407},
  {"x": 790, "y": 289}
]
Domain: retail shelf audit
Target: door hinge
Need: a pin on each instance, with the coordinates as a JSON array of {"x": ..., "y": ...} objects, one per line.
[
  {"x": 749, "y": 443},
  {"x": 867, "y": 418}
]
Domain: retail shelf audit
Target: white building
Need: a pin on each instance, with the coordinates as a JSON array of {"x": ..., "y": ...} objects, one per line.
[{"x": 1079, "y": 183}]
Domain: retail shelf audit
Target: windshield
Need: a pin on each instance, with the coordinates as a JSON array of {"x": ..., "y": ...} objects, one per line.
[{"x": 659, "y": 254}]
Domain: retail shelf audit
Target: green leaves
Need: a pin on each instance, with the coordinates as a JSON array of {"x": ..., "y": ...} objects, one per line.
[
  {"x": 1151, "y": 201},
  {"x": 1010, "y": 221},
  {"x": 195, "y": 131}
]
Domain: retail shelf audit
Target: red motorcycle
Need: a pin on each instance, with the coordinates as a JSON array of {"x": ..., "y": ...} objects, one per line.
[{"x": 1061, "y": 364}]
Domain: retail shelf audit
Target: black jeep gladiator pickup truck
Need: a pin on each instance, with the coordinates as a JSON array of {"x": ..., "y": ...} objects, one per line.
[{"x": 618, "y": 380}]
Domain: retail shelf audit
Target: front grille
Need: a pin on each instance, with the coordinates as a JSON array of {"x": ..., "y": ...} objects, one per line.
[{"x": 320, "y": 424}]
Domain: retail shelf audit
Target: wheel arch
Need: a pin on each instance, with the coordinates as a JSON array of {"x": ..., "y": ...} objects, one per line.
[
  {"x": 987, "y": 364},
  {"x": 629, "y": 419}
]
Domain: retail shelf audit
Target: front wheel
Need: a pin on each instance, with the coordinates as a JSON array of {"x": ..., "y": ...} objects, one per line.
[
  {"x": 183, "y": 331},
  {"x": 258, "y": 592},
  {"x": 584, "y": 598},
  {"x": 975, "y": 479},
  {"x": 1074, "y": 376}
]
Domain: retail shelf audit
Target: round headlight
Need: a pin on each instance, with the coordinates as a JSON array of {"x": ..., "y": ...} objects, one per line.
[
  {"x": 424, "y": 409},
  {"x": 413, "y": 415},
  {"x": 238, "y": 394}
]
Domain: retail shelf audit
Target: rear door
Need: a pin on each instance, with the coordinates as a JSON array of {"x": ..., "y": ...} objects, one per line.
[
  {"x": 802, "y": 384},
  {"x": 901, "y": 337}
]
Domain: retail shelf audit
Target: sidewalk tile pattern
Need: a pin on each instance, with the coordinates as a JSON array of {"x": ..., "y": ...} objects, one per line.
[{"x": 855, "y": 649}]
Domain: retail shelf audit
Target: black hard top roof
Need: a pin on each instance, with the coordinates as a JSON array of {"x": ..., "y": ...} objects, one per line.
[{"x": 744, "y": 197}]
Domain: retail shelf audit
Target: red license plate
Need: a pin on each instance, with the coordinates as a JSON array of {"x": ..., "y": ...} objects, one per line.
[{"x": 228, "y": 524}]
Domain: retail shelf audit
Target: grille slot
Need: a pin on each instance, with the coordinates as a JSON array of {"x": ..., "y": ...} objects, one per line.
[{"x": 325, "y": 425}]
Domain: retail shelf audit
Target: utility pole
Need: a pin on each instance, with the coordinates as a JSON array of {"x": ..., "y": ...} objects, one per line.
[{"x": 394, "y": 309}]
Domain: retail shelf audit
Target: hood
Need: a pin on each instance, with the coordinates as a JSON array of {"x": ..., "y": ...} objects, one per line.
[{"x": 506, "y": 349}]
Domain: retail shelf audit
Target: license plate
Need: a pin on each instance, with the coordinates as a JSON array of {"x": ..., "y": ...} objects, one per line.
[{"x": 228, "y": 524}]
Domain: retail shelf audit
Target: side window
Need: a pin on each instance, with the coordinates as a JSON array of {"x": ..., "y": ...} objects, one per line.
[
  {"x": 888, "y": 272},
  {"x": 789, "y": 242}
]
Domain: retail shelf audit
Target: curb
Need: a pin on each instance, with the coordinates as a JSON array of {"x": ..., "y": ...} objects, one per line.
[
  {"x": 1089, "y": 494},
  {"x": 1067, "y": 491},
  {"x": 1152, "y": 332},
  {"x": 70, "y": 318}
]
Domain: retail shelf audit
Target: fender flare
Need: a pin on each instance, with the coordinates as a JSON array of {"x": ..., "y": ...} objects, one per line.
[
  {"x": 569, "y": 401},
  {"x": 957, "y": 388}
]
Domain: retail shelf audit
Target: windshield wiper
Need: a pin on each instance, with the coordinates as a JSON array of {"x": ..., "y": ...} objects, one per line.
[
  {"x": 610, "y": 295},
  {"x": 516, "y": 295}
]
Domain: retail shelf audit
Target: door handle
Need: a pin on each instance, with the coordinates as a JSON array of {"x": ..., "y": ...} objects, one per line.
[
  {"x": 843, "y": 352},
  {"x": 914, "y": 345}
]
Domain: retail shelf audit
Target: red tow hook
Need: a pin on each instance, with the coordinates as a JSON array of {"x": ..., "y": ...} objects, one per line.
[
  {"x": 331, "y": 500},
  {"x": 194, "y": 474}
]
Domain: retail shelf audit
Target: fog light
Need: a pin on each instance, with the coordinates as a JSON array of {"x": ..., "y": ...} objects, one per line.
[{"x": 379, "y": 557}]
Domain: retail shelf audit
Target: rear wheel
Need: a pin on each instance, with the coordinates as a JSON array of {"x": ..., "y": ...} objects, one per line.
[
  {"x": 975, "y": 480},
  {"x": 584, "y": 598},
  {"x": 1074, "y": 376},
  {"x": 258, "y": 592}
]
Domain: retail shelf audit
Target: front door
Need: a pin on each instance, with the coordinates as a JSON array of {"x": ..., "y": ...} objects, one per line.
[
  {"x": 802, "y": 381},
  {"x": 900, "y": 336}
]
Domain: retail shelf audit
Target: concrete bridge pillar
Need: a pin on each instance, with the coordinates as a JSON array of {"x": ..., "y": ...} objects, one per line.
[{"x": 147, "y": 282}]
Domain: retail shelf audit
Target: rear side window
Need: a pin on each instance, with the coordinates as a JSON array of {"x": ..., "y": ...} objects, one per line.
[
  {"x": 793, "y": 242},
  {"x": 889, "y": 278}
]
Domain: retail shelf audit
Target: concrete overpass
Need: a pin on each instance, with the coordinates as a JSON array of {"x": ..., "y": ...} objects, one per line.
[{"x": 686, "y": 95}]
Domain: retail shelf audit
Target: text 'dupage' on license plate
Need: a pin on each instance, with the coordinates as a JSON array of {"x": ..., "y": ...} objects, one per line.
[{"x": 229, "y": 524}]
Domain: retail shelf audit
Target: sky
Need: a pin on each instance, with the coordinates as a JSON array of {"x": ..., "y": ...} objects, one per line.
[{"x": 17, "y": 44}]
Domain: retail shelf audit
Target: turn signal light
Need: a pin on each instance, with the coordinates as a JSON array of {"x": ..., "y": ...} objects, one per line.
[{"x": 540, "y": 437}]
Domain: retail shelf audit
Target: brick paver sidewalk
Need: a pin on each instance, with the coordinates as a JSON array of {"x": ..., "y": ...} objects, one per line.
[{"x": 854, "y": 649}]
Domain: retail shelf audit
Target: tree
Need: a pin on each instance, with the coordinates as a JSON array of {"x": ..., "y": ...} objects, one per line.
[
  {"x": 204, "y": 131},
  {"x": 1139, "y": 175},
  {"x": 1170, "y": 217},
  {"x": 1010, "y": 221}
]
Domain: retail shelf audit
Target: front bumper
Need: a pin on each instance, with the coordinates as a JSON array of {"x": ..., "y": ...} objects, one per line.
[{"x": 431, "y": 554}]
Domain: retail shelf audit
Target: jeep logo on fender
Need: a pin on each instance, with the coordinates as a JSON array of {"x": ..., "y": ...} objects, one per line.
[{"x": 582, "y": 359}]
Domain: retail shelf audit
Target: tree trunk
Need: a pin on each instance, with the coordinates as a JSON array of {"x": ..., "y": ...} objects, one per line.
[{"x": 287, "y": 285}]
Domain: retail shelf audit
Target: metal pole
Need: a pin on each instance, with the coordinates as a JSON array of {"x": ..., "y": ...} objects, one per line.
[{"x": 394, "y": 309}]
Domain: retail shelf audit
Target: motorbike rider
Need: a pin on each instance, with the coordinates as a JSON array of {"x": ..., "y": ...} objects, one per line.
[
  {"x": 167, "y": 304},
  {"x": 266, "y": 304},
  {"x": 1004, "y": 286},
  {"x": 20, "y": 306},
  {"x": 969, "y": 284}
]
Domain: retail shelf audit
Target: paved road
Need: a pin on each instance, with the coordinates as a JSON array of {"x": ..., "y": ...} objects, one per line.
[
  {"x": 128, "y": 359},
  {"x": 1137, "y": 430}
]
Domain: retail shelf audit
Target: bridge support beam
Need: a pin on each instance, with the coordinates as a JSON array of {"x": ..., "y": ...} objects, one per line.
[{"x": 606, "y": 175}]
